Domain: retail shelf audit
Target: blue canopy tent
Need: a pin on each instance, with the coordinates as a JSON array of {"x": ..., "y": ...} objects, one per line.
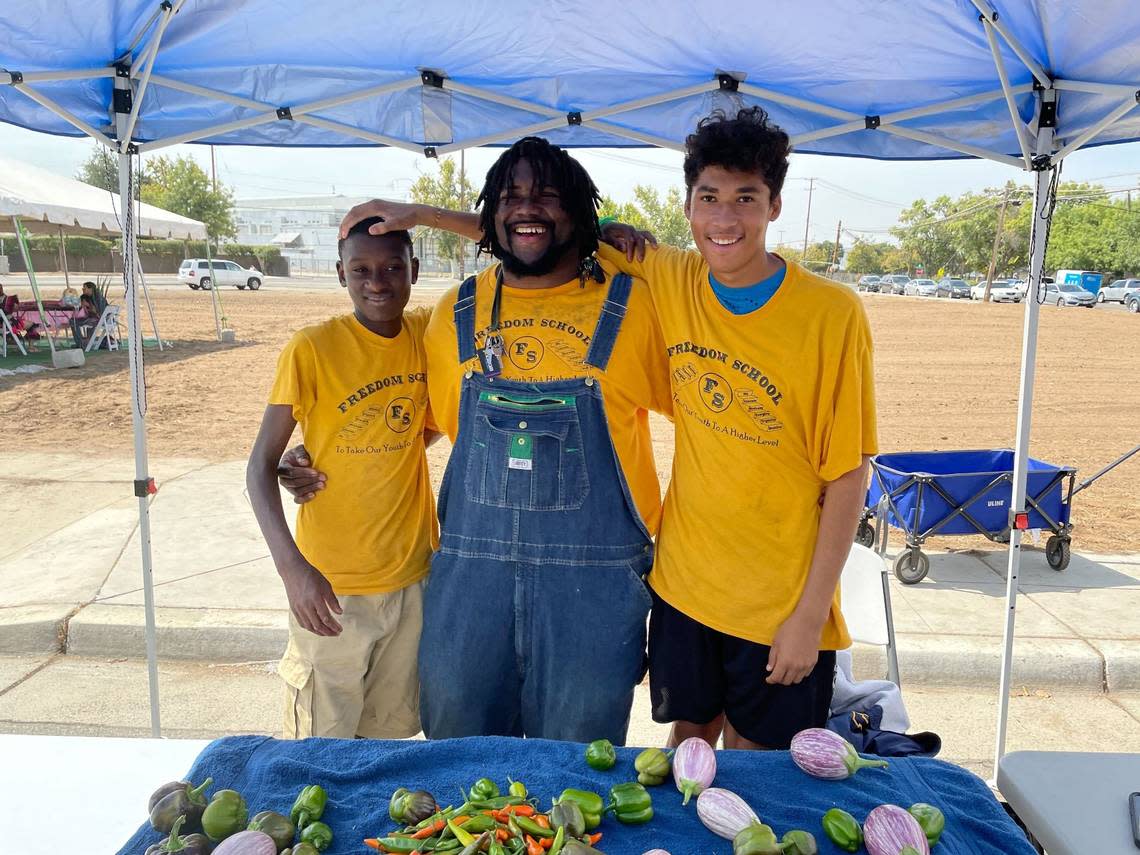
[{"x": 1019, "y": 82}]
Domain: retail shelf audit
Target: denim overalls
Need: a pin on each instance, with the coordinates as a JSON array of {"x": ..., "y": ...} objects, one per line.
[{"x": 535, "y": 609}]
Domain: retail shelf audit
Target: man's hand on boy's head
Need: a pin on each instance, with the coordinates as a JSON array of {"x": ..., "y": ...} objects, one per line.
[
  {"x": 296, "y": 475},
  {"x": 397, "y": 216},
  {"x": 625, "y": 238},
  {"x": 311, "y": 599}
]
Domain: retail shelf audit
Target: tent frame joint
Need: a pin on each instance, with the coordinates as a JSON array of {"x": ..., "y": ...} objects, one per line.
[
  {"x": 431, "y": 152},
  {"x": 727, "y": 82},
  {"x": 1041, "y": 163},
  {"x": 1048, "y": 115},
  {"x": 15, "y": 77},
  {"x": 871, "y": 123},
  {"x": 122, "y": 69},
  {"x": 432, "y": 78},
  {"x": 574, "y": 117},
  {"x": 285, "y": 114}
]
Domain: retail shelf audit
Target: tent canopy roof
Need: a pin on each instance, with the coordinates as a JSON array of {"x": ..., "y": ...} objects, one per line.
[
  {"x": 46, "y": 202},
  {"x": 277, "y": 72}
]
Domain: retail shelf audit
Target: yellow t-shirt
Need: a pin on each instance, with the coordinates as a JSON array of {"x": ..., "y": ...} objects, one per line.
[
  {"x": 362, "y": 403},
  {"x": 547, "y": 332},
  {"x": 769, "y": 407}
]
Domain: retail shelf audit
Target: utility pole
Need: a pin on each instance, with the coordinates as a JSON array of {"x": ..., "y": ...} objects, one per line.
[
  {"x": 213, "y": 170},
  {"x": 1130, "y": 201},
  {"x": 835, "y": 249},
  {"x": 997, "y": 243},
  {"x": 807, "y": 220}
]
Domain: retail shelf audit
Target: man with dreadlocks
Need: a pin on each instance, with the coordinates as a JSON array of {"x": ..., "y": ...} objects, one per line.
[{"x": 541, "y": 370}]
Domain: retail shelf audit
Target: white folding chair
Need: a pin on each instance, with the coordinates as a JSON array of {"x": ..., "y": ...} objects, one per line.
[
  {"x": 6, "y": 332},
  {"x": 106, "y": 329},
  {"x": 865, "y": 594}
]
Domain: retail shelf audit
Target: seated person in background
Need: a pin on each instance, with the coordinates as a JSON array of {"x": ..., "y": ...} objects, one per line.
[
  {"x": 91, "y": 306},
  {"x": 70, "y": 297}
]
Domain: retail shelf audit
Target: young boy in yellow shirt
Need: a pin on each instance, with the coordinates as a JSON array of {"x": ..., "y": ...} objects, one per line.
[
  {"x": 354, "y": 575},
  {"x": 773, "y": 397}
]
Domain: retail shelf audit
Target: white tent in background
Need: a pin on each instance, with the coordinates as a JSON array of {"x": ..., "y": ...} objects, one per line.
[{"x": 45, "y": 202}]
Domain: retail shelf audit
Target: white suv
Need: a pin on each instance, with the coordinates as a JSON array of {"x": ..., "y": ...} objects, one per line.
[{"x": 195, "y": 272}]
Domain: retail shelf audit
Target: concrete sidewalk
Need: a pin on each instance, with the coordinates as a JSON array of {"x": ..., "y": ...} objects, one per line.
[{"x": 71, "y": 567}]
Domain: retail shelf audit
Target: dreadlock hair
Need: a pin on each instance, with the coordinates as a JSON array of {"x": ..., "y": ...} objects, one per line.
[
  {"x": 554, "y": 168},
  {"x": 362, "y": 228},
  {"x": 750, "y": 142}
]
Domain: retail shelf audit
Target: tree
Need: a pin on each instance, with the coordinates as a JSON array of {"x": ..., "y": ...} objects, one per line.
[
  {"x": 666, "y": 218},
  {"x": 444, "y": 190},
  {"x": 182, "y": 186},
  {"x": 101, "y": 169},
  {"x": 819, "y": 255},
  {"x": 867, "y": 257}
]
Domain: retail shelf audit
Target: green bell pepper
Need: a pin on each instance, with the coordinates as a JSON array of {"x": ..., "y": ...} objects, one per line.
[
  {"x": 600, "y": 755},
  {"x": 756, "y": 839},
  {"x": 590, "y": 804},
  {"x": 567, "y": 815},
  {"x": 799, "y": 843},
  {"x": 653, "y": 766},
  {"x": 483, "y": 789},
  {"x": 932, "y": 820},
  {"x": 631, "y": 803},
  {"x": 276, "y": 826},
  {"x": 226, "y": 814},
  {"x": 843, "y": 830},
  {"x": 309, "y": 806},
  {"x": 318, "y": 835}
]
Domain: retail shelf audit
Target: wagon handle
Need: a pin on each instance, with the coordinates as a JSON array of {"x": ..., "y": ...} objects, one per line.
[{"x": 1105, "y": 470}]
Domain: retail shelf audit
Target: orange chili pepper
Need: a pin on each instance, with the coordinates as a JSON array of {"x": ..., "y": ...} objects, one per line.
[
  {"x": 502, "y": 834},
  {"x": 372, "y": 843},
  {"x": 542, "y": 819},
  {"x": 546, "y": 842},
  {"x": 459, "y": 820},
  {"x": 594, "y": 838},
  {"x": 533, "y": 847},
  {"x": 519, "y": 810}
]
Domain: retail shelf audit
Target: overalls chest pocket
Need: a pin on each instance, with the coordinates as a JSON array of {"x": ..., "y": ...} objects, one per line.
[{"x": 526, "y": 452}]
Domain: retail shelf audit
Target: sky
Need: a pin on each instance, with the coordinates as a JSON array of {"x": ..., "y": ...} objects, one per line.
[{"x": 865, "y": 195}]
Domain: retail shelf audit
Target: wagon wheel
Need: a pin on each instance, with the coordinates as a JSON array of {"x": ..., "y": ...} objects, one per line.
[
  {"x": 865, "y": 534},
  {"x": 911, "y": 566},
  {"x": 1057, "y": 552}
]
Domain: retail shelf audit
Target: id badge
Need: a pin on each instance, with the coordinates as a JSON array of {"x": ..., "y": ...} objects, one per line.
[{"x": 491, "y": 356}]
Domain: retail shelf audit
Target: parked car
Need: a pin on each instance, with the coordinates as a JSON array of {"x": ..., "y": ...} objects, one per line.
[
  {"x": 868, "y": 282},
  {"x": 921, "y": 287},
  {"x": 1066, "y": 294},
  {"x": 1118, "y": 291},
  {"x": 1132, "y": 302},
  {"x": 893, "y": 283},
  {"x": 1001, "y": 291},
  {"x": 195, "y": 272},
  {"x": 952, "y": 288}
]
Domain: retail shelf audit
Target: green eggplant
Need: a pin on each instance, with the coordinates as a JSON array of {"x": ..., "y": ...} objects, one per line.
[
  {"x": 600, "y": 755},
  {"x": 653, "y": 762},
  {"x": 277, "y": 826},
  {"x": 178, "y": 798},
  {"x": 843, "y": 830},
  {"x": 799, "y": 843},
  {"x": 226, "y": 814},
  {"x": 756, "y": 839},
  {"x": 930, "y": 818}
]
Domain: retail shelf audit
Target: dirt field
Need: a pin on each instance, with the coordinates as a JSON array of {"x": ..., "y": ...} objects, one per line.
[{"x": 947, "y": 376}]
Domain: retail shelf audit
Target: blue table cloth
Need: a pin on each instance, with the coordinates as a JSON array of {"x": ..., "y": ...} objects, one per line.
[{"x": 360, "y": 776}]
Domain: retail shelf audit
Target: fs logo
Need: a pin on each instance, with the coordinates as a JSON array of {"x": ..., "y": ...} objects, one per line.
[
  {"x": 526, "y": 352},
  {"x": 400, "y": 413},
  {"x": 716, "y": 394}
]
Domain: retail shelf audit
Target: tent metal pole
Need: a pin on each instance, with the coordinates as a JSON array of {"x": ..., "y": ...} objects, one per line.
[
  {"x": 953, "y": 145},
  {"x": 833, "y": 131},
  {"x": 137, "y": 40},
  {"x": 1015, "y": 117},
  {"x": 213, "y": 130},
  {"x": 499, "y": 136},
  {"x": 75, "y": 121},
  {"x": 450, "y": 85},
  {"x": 150, "y": 57},
  {"x": 792, "y": 101},
  {"x": 648, "y": 139},
  {"x": 63, "y": 258},
  {"x": 991, "y": 17},
  {"x": 138, "y": 412},
  {"x": 1127, "y": 107},
  {"x": 213, "y": 288},
  {"x": 149, "y": 304},
  {"x": 360, "y": 133},
  {"x": 1039, "y": 231},
  {"x": 21, "y": 238},
  {"x": 359, "y": 95},
  {"x": 206, "y": 92},
  {"x": 54, "y": 76},
  {"x": 1123, "y": 90}
]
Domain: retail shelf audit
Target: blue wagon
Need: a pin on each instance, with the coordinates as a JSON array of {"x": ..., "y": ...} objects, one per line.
[{"x": 927, "y": 493}]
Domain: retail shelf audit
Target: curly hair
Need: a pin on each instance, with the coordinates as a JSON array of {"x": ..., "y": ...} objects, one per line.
[
  {"x": 554, "y": 168},
  {"x": 747, "y": 143}
]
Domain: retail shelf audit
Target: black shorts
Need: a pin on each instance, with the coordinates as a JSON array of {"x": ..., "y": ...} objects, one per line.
[{"x": 696, "y": 673}]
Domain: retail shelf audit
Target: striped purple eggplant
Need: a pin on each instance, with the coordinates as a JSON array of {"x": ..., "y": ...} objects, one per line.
[
  {"x": 724, "y": 813},
  {"x": 825, "y": 754},
  {"x": 655, "y": 852},
  {"x": 890, "y": 830},
  {"x": 694, "y": 767}
]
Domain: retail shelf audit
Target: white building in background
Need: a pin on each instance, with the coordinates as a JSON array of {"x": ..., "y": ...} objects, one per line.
[{"x": 304, "y": 229}]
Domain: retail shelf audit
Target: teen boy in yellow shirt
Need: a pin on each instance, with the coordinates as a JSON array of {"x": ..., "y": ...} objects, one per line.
[
  {"x": 354, "y": 576},
  {"x": 773, "y": 396}
]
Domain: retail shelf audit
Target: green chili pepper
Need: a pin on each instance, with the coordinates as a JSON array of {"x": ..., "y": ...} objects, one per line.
[
  {"x": 517, "y": 788},
  {"x": 479, "y": 824},
  {"x": 631, "y": 803},
  {"x": 462, "y": 836},
  {"x": 932, "y": 820},
  {"x": 401, "y": 844},
  {"x": 529, "y": 826},
  {"x": 756, "y": 839},
  {"x": 799, "y": 843},
  {"x": 317, "y": 834},
  {"x": 653, "y": 762},
  {"x": 309, "y": 806},
  {"x": 559, "y": 841},
  {"x": 600, "y": 755},
  {"x": 843, "y": 830},
  {"x": 590, "y": 804},
  {"x": 482, "y": 789},
  {"x": 226, "y": 814}
]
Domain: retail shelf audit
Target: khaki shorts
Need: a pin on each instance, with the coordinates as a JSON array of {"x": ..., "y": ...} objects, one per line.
[{"x": 363, "y": 682}]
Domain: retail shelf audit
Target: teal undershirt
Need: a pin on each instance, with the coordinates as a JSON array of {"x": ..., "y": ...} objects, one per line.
[{"x": 741, "y": 301}]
